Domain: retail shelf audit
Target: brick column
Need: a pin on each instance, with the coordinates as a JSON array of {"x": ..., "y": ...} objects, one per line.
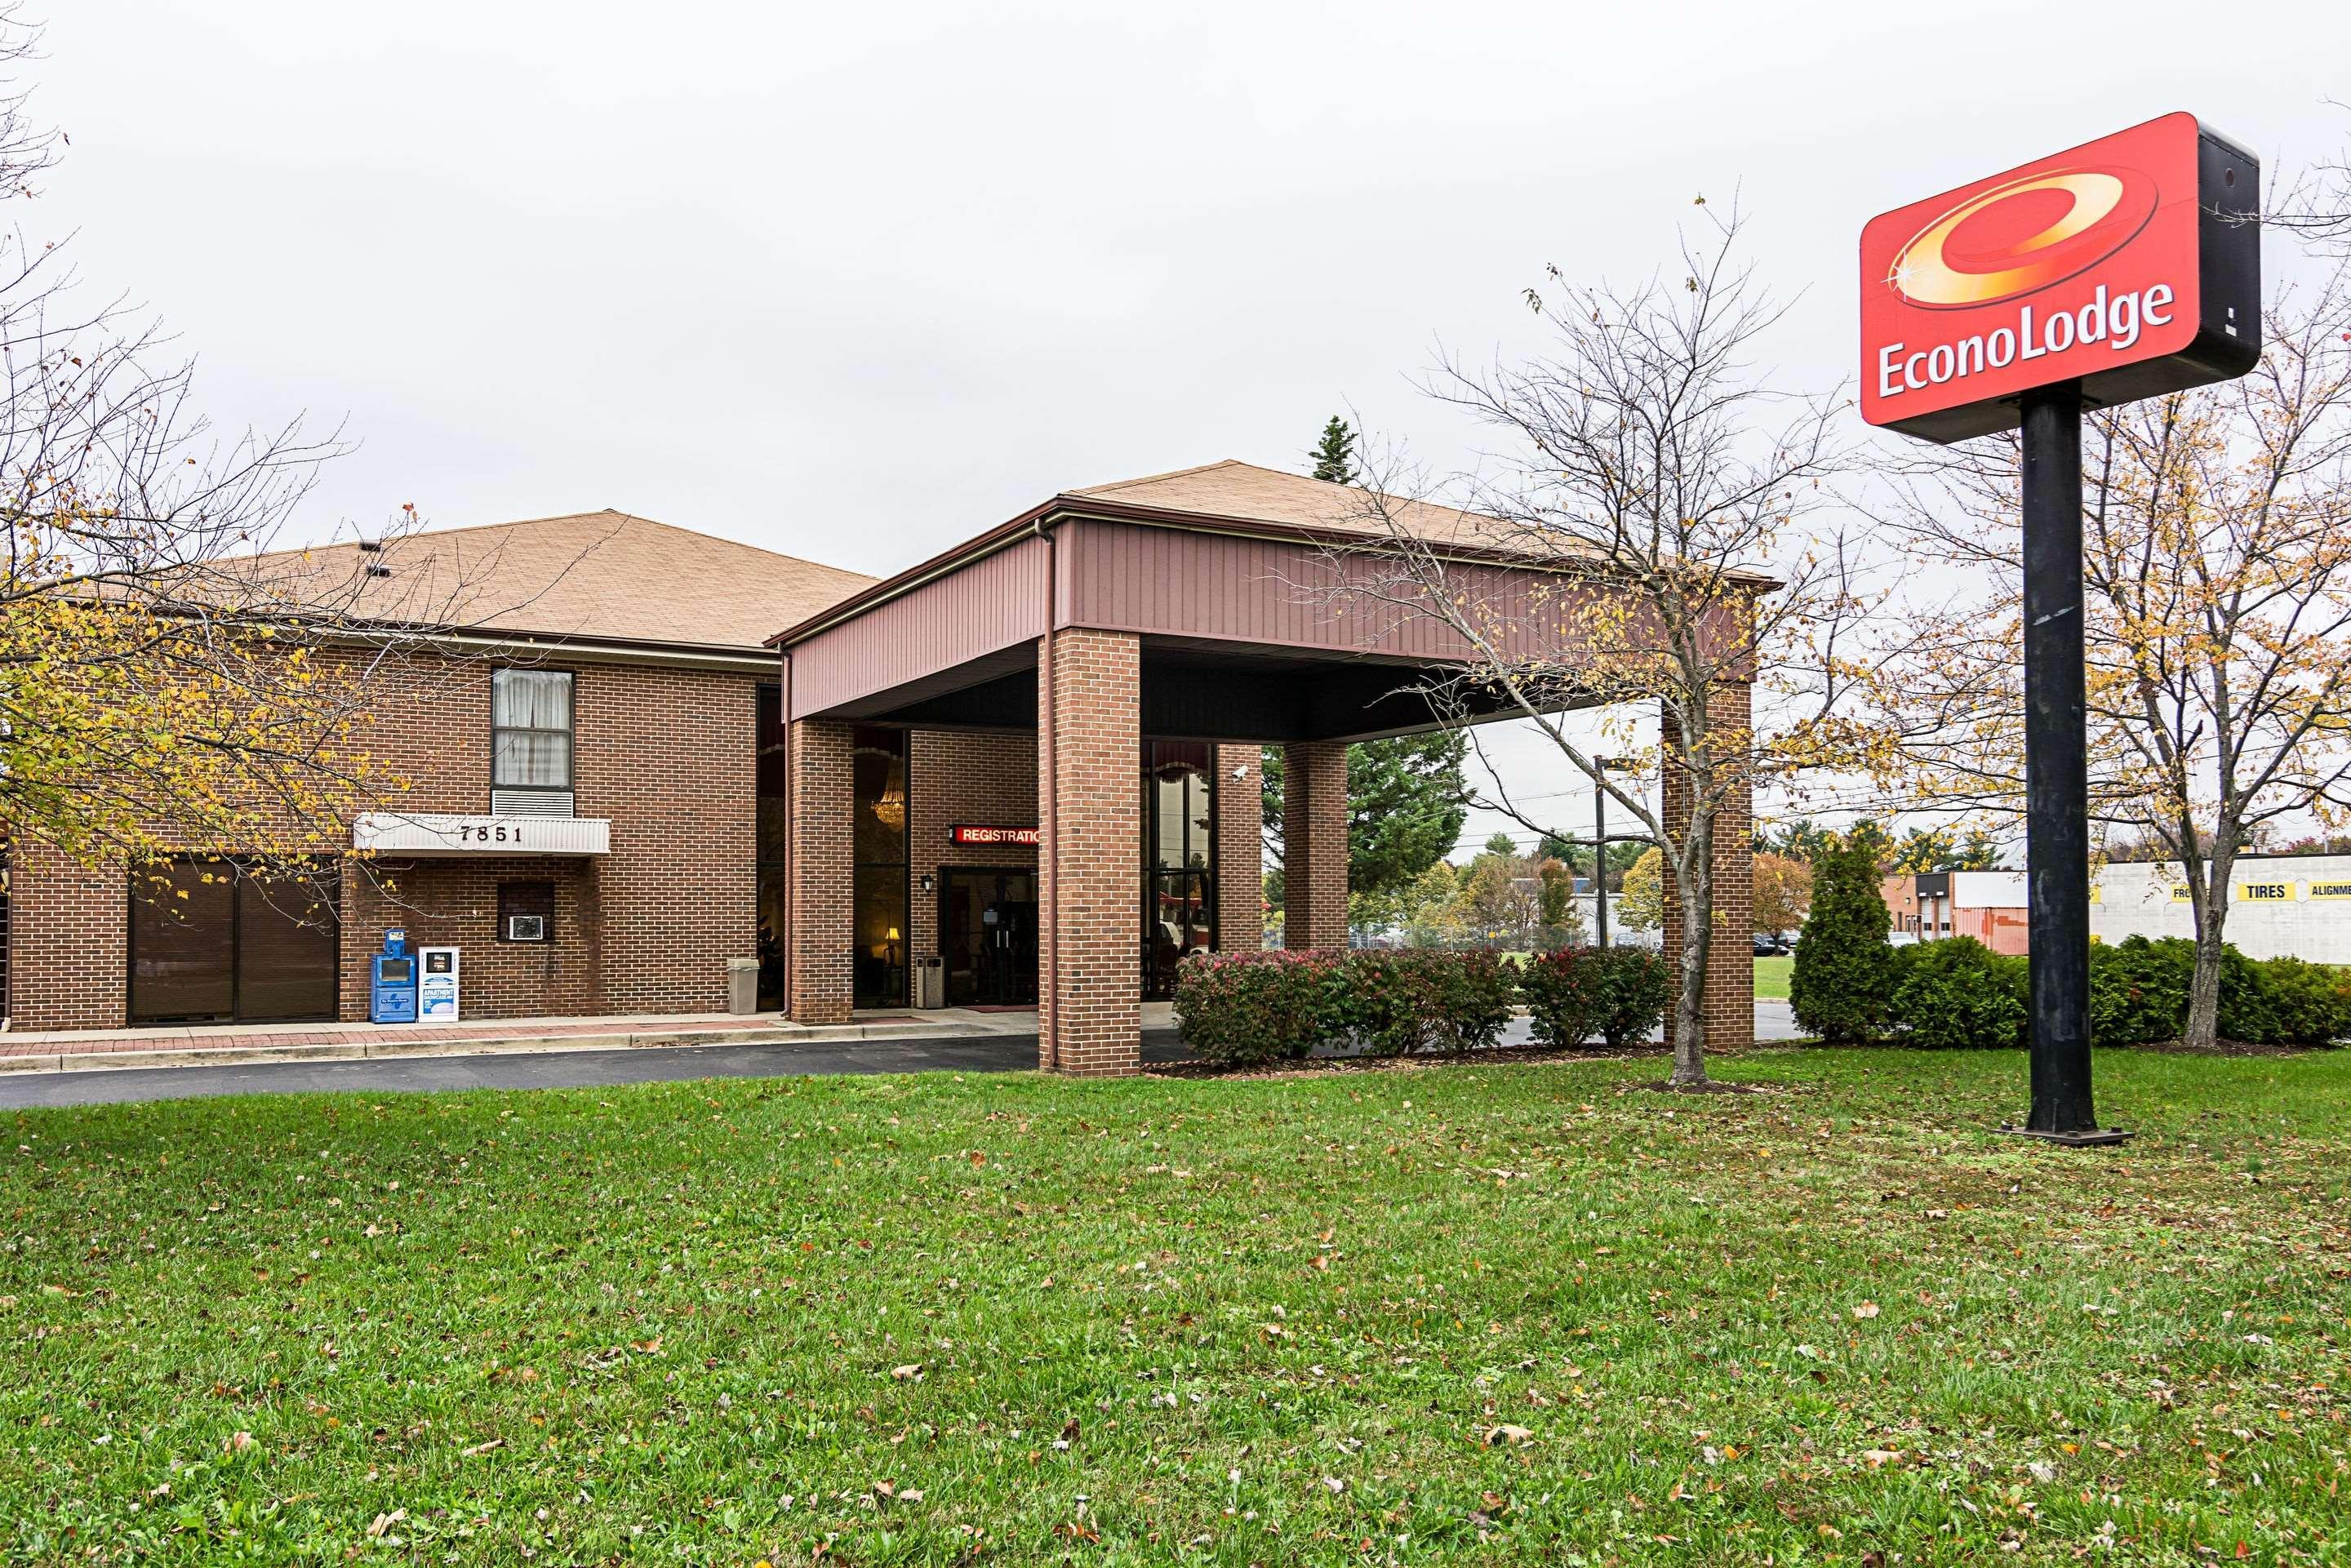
[
  {"x": 1089, "y": 862},
  {"x": 1240, "y": 848},
  {"x": 1314, "y": 844},
  {"x": 1729, "y": 1007},
  {"x": 820, "y": 790}
]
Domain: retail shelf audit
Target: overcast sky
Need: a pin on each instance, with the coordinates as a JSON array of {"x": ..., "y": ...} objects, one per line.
[{"x": 855, "y": 282}]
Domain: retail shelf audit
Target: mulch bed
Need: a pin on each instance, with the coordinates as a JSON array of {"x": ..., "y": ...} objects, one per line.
[
  {"x": 1496, "y": 1056},
  {"x": 2219, "y": 1048}
]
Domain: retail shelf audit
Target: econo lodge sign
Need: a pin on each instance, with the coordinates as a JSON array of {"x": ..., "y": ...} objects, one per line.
[{"x": 2131, "y": 264}]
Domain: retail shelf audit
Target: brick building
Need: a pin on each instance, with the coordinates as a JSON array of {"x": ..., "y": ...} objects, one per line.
[
  {"x": 598, "y": 693},
  {"x": 1022, "y": 774},
  {"x": 1989, "y": 905}
]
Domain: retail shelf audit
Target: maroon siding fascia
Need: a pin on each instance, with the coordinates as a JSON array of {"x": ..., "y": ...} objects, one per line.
[
  {"x": 1042, "y": 518},
  {"x": 981, "y": 608},
  {"x": 1176, "y": 582}
]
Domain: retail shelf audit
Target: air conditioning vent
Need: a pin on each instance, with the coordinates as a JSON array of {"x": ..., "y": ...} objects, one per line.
[
  {"x": 526, "y": 927},
  {"x": 531, "y": 803}
]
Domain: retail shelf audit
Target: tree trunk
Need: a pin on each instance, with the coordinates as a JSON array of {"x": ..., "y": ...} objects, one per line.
[
  {"x": 1696, "y": 892},
  {"x": 2203, "y": 1031}
]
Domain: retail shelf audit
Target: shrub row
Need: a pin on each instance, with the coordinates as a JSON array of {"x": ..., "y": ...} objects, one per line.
[
  {"x": 1956, "y": 993},
  {"x": 1255, "y": 1008}
]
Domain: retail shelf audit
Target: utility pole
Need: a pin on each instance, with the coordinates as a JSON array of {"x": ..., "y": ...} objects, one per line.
[{"x": 1599, "y": 843}]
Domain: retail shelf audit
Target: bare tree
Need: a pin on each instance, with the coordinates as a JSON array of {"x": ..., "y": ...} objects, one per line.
[
  {"x": 2217, "y": 569},
  {"x": 1656, "y": 497}
]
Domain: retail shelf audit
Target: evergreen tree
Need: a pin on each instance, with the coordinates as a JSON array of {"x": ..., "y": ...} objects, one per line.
[
  {"x": 1843, "y": 969},
  {"x": 1405, "y": 807},
  {"x": 1404, "y": 795},
  {"x": 1333, "y": 457}
]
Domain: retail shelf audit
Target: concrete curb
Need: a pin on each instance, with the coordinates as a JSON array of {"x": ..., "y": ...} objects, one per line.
[{"x": 393, "y": 1048}]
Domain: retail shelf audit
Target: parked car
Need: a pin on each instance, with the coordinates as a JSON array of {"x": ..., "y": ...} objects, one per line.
[{"x": 1771, "y": 945}]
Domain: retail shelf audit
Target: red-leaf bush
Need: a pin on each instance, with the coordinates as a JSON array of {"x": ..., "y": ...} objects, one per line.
[
  {"x": 1398, "y": 1003},
  {"x": 1573, "y": 993},
  {"x": 1258, "y": 1006},
  {"x": 1253, "y": 1007}
]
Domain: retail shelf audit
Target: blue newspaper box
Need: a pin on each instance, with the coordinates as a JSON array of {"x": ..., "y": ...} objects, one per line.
[{"x": 392, "y": 993}]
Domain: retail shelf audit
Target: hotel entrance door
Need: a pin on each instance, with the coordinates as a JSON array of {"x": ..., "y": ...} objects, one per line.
[{"x": 987, "y": 937}]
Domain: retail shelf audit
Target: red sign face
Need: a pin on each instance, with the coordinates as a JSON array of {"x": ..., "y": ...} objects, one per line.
[
  {"x": 962, "y": 834},
  {"x": 2071, "y": 266}
]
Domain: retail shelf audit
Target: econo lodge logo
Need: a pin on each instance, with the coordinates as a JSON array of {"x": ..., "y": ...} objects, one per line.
[
  {"x": 2073, "y": 267},
  {"x": 2021, "y": 236}
]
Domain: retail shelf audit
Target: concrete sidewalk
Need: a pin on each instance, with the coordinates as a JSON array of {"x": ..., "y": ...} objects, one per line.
[
  {"x": 208, "y": 1045},
  {"x": 572, "y": 1068}
]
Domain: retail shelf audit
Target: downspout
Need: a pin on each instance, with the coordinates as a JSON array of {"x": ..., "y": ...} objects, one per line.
[
  {"x": 791, "y": 805},
  {"x": 1046, "y": 718}
]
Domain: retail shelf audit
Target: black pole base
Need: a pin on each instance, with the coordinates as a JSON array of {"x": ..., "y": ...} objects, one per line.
[{"x": 2092, "y": 1138}]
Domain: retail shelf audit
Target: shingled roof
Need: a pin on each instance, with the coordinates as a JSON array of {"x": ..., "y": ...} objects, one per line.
[
  {"x": 605, "y": 575},
  {"x": 1243, "y": 492}
]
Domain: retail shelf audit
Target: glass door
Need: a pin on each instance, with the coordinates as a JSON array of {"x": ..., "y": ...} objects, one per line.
[{"x": 988, "y": 937}]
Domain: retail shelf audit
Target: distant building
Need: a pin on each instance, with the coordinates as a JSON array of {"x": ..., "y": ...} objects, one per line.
[
  {"x": 2279, "y": 905},
  {"x": 1989, "y": 905}
]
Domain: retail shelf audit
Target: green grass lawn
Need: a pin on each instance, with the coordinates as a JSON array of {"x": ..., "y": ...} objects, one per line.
[
  {"x": 1772, "y": 977},
  {"x": 927, "y": 1320}
]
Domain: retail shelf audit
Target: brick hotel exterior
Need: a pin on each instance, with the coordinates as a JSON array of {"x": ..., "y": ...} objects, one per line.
[{"x": 1022, "y": 774}]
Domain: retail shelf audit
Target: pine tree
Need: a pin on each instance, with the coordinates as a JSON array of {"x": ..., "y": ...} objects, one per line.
[
  {"x": 1405, "y": 807},
  {"x": 1333, "y": 457},
  {"x": 1843, "y": 969}
]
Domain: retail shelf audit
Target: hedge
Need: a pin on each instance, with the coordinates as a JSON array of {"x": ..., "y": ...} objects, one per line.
[
  {"x": 1956, "y": 993},
  {"x": 2139, "y": 994},
  {"x": 1257, "y": 1007},
  {"x": 1617, "y": 993},
  {"x": 1249, "y": 1009}
]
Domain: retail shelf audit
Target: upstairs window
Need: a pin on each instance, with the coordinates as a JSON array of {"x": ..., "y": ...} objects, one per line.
[{"x": 531, "y": 742}]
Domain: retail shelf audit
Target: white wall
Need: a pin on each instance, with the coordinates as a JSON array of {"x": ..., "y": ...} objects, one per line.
[
  {"x": 1987, "y": 889},
  {"x": 2309, "y": 918}
]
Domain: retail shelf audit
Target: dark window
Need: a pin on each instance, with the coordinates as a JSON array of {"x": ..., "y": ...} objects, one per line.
[
  {"x": 773, "y": 857},
  {"x": 881, "y": 907},
  {"x": 1179, "y": 858},
  {"x": 531, "y": 900},
  {"x": 530, "y": 730}
]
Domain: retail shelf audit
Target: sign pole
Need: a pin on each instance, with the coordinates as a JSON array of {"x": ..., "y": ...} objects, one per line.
[{"x": 2056, "y": 765}]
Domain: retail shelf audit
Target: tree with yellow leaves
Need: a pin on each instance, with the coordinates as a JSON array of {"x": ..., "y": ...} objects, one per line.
[
  {"x": 2217, "y": 569},
  {"x": 166, "y": 685}
]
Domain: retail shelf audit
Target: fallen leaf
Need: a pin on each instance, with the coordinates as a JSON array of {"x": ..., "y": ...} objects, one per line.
[
  {"x": 384, "y": 1521},
  {"x": 908, "y": 1373},
  {"x": 1498, "y": 1435},
  {"x": 1866, "y": 1310}
]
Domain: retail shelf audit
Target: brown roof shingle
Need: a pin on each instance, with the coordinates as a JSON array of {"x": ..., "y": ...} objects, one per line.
[
  {"x": 605, "y": 574},
  {"x": 1245, "y": 492}
]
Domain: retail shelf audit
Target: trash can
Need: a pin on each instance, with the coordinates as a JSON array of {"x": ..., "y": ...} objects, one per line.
[
  {"x": 930, "y": 982},
  {"x": 742, "y": 985}
]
